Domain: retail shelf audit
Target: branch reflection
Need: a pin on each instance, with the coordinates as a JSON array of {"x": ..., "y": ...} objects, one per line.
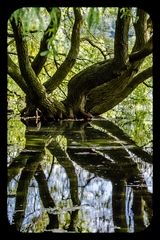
[{"x": 90, "y": 181}]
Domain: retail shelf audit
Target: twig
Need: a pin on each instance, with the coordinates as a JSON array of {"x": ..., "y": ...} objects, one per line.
[{"x": 147, "y": 85}]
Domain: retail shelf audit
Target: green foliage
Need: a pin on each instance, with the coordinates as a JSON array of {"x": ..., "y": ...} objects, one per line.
[
  {"x": 136, "y": 109},
  {"x": 16, "y": 97},
  {"x": 31, "y": 18},
  {"x": 38, "y": 223},
  {"x": 16, "y": 132},
  {"x": 93, "y": 17},
  {"x": 55, "y": 20},
  {"x": 134, "y": 115},
  {"x": 128, "y": 12},
  {"x": 54, "y": 17},
  {"x": 125, "y": 12}
]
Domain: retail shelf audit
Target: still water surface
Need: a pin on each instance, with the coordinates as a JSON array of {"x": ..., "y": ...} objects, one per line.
[{"x": 79, "y": 177}]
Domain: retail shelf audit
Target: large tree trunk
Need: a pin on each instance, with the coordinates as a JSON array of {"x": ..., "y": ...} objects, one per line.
[
  {"x": 92, "y": 91},
  {"x": 102, "y": 86}
]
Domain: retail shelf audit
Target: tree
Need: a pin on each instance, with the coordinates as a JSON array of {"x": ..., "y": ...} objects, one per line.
[{"x": 94, "y": 89}]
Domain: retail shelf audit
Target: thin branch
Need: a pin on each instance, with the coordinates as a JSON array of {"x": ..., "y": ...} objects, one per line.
[
  {"x": 12, "y": 93},
  {"x": 10, "y": 35},
  {"x": 78, "y": 58},
  {"x": 14, "y": 53},
  {"x": 94, "y": 45},
  {"x": 140, "y": 27},
  {"x": 46, "y": 71},
  {"x": 147, "y": 85},
  {"x": 56, "y": 63},
  {"x": 151, "y": 141},
  {"x": 70, "y": 60},
  {"x": 39, "y": 60},
  {"x": 121, "y": 36},
  {"x": 10, "y": 42}
]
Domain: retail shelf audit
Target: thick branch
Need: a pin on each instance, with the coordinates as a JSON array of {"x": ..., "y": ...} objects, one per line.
[
  {"x": 35, "y": 87},
  {"x": 140, "y": 30},
  {"x": 121, "y": 36},
  {"x": 14, "y": 73},
  {"x": 43, "y": 188},
  {"x": 144, "y": 52},
  {"x": 141, "y": 77},
  {"x": 106, "y": 96},
  {"x": 23, "y": 58},
  {"x": 39, "y": 60},
  {"x": 70, "y": 60}
]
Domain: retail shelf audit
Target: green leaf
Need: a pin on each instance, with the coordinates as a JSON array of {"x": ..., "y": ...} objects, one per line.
[
  {"x": 125, "y": 12},
  {"x": 44, "y": 53}
]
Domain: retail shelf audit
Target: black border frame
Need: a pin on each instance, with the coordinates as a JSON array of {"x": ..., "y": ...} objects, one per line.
[{"x": 9, "y": 7}]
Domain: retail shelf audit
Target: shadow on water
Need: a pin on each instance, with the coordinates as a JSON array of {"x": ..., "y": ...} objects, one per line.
[{"x": 80, "y": 177}]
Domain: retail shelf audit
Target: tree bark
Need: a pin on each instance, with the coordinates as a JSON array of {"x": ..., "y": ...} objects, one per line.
[
  {"x": 94, "y": 90},
  {"x": 144, "y": 52},
  {"x": 40, "y": 60},
  {"x": 105, "y": 84},
  {"x": 121, "y": 35},
  {"x": 108, "y": 95},
  {"x": 14, "y": 72},
  {"x": 70, "y": 60},
  {"x": 140, "y": 27},
  {"x": 36, "y": 89}
]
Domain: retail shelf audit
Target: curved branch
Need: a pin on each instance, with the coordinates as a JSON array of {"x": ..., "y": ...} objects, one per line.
[
  {"x": 14, "y": 73},
  {"x": 35, "y": 87},
  {"x": 144, "y": 52},
  {"x": 121, "y": 36},
  {"x": 108, "y": 95},
  {"x": 141, "y": 77},
  {"x": 140, "y": 27},
  {"x": 39, "y": 60},
  {"x": 94, "y": 45},
  {"x": 70, "y": 60},
  {"x": 23, "y": 58},
  {"x": 149, "y": 86}
]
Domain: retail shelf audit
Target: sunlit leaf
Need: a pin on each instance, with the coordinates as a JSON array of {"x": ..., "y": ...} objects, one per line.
[{"x": 44, "y": 53}]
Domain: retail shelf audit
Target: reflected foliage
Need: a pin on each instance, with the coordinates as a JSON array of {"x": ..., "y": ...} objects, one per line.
[
  {"x": 134, "y": 116},
  {"x": 80, "y": 177}
]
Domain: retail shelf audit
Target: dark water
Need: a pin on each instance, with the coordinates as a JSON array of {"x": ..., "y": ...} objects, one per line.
[{"x": 79, "y": 177}]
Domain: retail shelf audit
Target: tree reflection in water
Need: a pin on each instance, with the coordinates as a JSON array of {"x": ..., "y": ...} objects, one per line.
[{"x": 80, "y": 177}]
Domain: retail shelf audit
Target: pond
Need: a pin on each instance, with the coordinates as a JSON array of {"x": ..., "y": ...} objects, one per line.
[{"x": 80, "y": 177}]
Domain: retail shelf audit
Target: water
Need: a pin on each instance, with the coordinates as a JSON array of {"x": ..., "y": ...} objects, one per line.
[{"x": 83, "y": 177}]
